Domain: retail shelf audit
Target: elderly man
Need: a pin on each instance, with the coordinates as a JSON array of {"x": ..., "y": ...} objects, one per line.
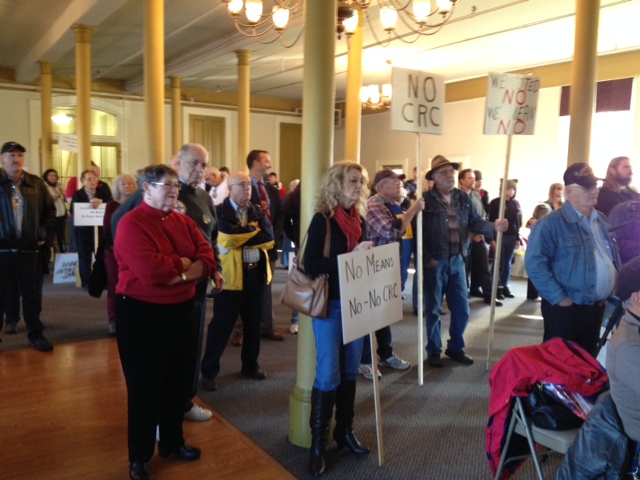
[
  {"x": 245, "y": 238},
  {"x": 447, "y": 220},
  {"x": 26, "y": 213},
  {"x": 219, "y": 188},
  {"x": 572, "y": 261},
  {"x": 617, "y": 185},
  {"x": 386, "y": 223}
]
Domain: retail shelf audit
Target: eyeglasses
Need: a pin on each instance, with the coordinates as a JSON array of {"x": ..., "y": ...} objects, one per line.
[
  {"x": 169, "y": 185},
  {"x": 241, "y": 184},
  {"x": 399, "y": 183}
]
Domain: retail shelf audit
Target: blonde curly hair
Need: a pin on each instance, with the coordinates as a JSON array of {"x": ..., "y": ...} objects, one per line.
[{"x": 333, "y": 183}]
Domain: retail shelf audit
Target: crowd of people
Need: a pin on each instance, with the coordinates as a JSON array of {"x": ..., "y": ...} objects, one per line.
[{"x": 176, "y": 236}]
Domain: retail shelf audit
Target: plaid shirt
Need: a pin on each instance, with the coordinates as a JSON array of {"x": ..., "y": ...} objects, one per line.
[{"x": 383, "y": 227}]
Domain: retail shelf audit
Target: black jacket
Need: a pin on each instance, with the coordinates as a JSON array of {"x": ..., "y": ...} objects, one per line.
[{"x": 39, "y": 213}]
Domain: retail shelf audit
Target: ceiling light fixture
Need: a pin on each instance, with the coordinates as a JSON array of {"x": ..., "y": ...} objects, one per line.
[
  {"x": 256, "y": 24},
  {"x": 374, "y": 97},
  {"x": 425, "y": 17}
]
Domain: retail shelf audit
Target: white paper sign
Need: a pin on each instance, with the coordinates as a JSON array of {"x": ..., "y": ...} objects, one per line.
[
  {"x": 370, "y": 290},
  {"x": 418, "y": 101},
  {"x": 68, "y": 143},
  {"x": 84, "y": 215},
  {"x": 65, "y": 268},
  {"x": 512, "y": 102}
]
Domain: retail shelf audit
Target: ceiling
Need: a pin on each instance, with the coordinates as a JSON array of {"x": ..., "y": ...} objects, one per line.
[{"x": 200, "y": 41}]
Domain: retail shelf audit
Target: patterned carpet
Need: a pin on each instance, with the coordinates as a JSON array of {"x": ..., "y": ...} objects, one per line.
[{"x": 433, "y": 431}]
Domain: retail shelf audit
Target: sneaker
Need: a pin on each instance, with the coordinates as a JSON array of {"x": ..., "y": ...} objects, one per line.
[
  {"x": 293, "y": 329},
  {"x": 10, "y": 328},
  {"x": 198, "y": 414},
  {"x": 396, "y": 362},
  {"x": 41, "y": 344},
  {"x": 367, "y": 371}
]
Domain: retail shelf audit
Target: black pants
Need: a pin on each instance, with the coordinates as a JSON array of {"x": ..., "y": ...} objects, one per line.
[
  {"x": 23, "y": 267},
  {"x": 480, "y": 274},
  {"x": 155, "y": 342},
  {"x": 227, "y": 306},
  {"x": 385, "y": 350},
  {"x": 578, "y": 323},
  {"x": 85, "y": 245}
]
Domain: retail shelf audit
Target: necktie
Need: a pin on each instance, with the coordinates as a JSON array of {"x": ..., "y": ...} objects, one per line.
[{"x": 264, "y": 200}]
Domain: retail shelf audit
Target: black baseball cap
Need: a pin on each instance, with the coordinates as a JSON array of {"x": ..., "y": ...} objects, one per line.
[
  {"x": 12, "y": 146},
  {"x": 581, "y": 174}
]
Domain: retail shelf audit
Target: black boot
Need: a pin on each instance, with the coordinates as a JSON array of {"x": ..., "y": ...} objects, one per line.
[
  {"x": 321, "y": 412},
  {"x": 343, "y": 433}
]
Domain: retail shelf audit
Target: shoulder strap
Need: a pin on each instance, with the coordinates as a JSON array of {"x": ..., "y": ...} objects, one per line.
[{"x": 327, "y": 239}]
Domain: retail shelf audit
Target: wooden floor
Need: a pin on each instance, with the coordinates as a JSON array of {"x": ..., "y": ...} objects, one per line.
[{"x": 63, "y": 416}]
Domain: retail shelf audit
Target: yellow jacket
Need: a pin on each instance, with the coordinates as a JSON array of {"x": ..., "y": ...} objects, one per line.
[{"x": 232, "y": 258}]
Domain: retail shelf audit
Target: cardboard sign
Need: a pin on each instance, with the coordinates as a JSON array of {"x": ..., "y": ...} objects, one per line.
[
  {"x": 418, "y": 101},
  {"x": 84, "y": 215},
  {"x": 512, "y": 102},
  {"x": 65, "y": 268},
  {"x": 68, "y": 143},
  {"x": 370, "y": 290}
]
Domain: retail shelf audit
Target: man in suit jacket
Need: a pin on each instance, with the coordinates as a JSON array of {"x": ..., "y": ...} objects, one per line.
[{"x": 266, "y": 196}]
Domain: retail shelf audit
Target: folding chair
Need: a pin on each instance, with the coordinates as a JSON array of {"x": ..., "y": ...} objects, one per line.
[{"x": 551, "y": 440}]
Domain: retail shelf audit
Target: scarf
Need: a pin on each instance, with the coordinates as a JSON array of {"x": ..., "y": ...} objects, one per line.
[{"x": 350, "y": 226}]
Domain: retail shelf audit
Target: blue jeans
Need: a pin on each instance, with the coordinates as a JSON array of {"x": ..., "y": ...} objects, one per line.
[
  {"x": 335, "y": 362},
  {"x": 506, "y": 258},
  {"x": 448, "y": 278},
  {"x": 408, "y": 247}
]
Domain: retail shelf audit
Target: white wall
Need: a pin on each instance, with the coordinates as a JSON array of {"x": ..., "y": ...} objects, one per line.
[{"x": 535, "y": 159}]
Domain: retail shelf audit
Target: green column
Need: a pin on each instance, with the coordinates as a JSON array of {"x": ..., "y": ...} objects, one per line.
[{"x": 317, "y": 156}]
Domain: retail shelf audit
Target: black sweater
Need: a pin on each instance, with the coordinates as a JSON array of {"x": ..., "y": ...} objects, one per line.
[{"x": 314, "y": 262}]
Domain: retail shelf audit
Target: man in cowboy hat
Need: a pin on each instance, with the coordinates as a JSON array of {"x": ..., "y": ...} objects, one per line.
[{"x": 447, "y": 220}]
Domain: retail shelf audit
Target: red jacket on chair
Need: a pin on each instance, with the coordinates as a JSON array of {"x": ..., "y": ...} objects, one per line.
[{"x": 556, "y": 361}]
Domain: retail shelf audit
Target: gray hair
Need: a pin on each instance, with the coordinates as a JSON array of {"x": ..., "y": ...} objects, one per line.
[{"x": 116, "y": 193}]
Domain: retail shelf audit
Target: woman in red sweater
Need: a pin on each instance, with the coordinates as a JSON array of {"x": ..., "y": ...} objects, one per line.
[{"x": 161, "y": 254}]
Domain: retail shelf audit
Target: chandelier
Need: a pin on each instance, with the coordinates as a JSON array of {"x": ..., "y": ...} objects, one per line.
[
  {"x": 376, "y": 98},
  {"x": 255, "y": 23},
  {"x": 419, "y": 17}
]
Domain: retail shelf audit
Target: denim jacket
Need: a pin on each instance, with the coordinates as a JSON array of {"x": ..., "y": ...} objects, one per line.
[
  {"x": 560, "y": 257},
  {"x": 435, "y": 224}
]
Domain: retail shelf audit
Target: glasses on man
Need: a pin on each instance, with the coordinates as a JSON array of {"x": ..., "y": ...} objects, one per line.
[
  {"x": 399, "y": 183},
  {"x": 169, "y": 185},
  {"x": 241, "y": 184}
]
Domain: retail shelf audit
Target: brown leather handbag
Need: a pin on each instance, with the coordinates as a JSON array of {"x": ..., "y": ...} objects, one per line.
[{"x": 307, "y": 295}]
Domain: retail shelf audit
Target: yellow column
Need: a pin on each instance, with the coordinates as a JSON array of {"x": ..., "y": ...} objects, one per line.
[
  {"x": 176, "y": 114},
  {"x": 83, "y": 94},
  {"x": 584, "y": 79},
  {"x": 154, "y": 79},
  {"x": 317, "y": 156},
  {"x": 45, "y": 114},
  {"x": 353, "y": 117},
  {"x": 244, "y": 104}
]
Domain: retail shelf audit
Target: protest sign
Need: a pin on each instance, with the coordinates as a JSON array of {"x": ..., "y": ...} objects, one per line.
[
  {"x": 370, "y": 290},
  {"x": 84, "y": 215},
  {"x": 512, "y": 102},
  {"x": 418, "y": 101},
  {"x": 64, "y": 270}
]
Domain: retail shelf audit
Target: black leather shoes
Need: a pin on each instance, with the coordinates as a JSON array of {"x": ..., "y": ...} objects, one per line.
[
  {"x": 138, "y": 471},
  {"x": 41, "y": 344},
  {"x": 459, "y": 357},
  {"x": 434, "y": 361},
  {"x": 209, "y": 384},
  {"x": 185, "y": 452},
  {"x": 507, "y": 293},
  {"x": 488, "y": 302},
  {"x": 475, "y": 293},
  {"x": 257, "y": 374}
]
